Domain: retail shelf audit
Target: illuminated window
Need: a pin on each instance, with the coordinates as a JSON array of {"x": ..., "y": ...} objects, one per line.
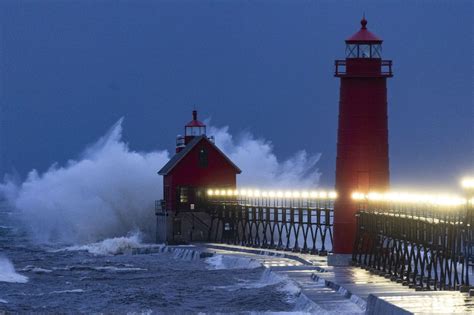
[
  {"x": 183, "y": 194},
  {"x": 203, "y": 158}
]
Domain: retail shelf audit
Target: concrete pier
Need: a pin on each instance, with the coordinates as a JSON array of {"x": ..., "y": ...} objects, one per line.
[{"x": 348, "y": 289}]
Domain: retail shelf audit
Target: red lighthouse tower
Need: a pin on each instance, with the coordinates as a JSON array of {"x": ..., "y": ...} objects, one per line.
[{"x": 362, "y": 143}]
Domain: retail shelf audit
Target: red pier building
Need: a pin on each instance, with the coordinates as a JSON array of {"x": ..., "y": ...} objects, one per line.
[
  {"x": 197, "y": 165},
  {"x": 362, "y": 143}
]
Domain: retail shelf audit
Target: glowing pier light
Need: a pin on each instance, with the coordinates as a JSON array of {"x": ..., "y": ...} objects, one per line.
[
  {"x": 412, "y": 198},
  {"x": 467, "y": 183},
  {"x": 257, "y": 193},
  {"x": 358, "y": 196}
]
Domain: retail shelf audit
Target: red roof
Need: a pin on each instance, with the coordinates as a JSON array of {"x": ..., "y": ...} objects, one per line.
[
  {"x": 176, "y": 159},
  {"x": 195, "y": 122},
  {"x": 363, "y": 35}
]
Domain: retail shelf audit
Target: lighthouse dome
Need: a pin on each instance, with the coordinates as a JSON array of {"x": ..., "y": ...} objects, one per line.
[{"x": 363, "y": 35}]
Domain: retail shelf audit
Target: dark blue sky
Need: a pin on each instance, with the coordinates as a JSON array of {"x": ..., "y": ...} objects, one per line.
[{"x": 70, "y": 69}]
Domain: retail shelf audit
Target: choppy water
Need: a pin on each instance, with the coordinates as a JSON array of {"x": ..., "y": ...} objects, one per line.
[{"x": 124, "y": 276}]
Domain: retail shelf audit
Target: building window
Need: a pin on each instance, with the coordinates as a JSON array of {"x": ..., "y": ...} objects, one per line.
[
  {"x": 183, "y": 194},
  {"x": 376, "y": 51},
  {"x": 351, "y": 51},
  {"x": 364, "y": 51},
  {"x": 203, "y": 157},
  {"x": 195, "y": 131}
]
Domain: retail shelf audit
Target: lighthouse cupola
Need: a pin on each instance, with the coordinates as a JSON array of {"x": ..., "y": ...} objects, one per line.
[
  {"x": 194, "y": 128},
  {"x": 363, "y": 56},
  {"x": 363, "y": 44}
]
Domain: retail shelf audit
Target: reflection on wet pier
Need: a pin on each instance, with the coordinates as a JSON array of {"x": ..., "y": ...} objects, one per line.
[{"x": 351, "y": 290}]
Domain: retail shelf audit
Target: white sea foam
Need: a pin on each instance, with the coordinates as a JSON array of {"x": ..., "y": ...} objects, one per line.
[
  {"x": 282, "y": 283},
  {"x": 267, "y": 278},
  {"x": 35, "y": 269},
  {"x": 106, "y": 193},
  {"x": 67, "y": 291},
  {"x": 112, "y": 246},
  {"x": 119, "y": 269},
  {"x": 293, "y": 295},
  {"x": 3, "y": 301},
  {"x": 231, "y": 262},
  {"x": 8, "y": 273},
  {"x": 110, "y": 190},
  {"x": 185, "y": 253},
  {"x": 99, "y": 268}
]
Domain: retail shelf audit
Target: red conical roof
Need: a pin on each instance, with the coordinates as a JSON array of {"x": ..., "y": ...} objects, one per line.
[
  {"x": 195, "y": 122},
  {"x": 363, "y": 35}
]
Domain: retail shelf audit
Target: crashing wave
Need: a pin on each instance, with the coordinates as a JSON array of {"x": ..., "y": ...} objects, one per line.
[
  {"x": 110, "y": 189},
  {"x": 8, "y": 273},
  {"x": 112, "y": 246},
  {"x": 188, "y": 253},
  {"x": 217, "y": 262}
]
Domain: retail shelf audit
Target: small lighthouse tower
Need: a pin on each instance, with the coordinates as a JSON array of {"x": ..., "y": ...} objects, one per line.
[
  {"x": 362, "y": 143},
  {"x": 197, "y": 165}
]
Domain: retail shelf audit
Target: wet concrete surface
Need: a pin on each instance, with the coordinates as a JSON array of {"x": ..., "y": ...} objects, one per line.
[{"x": 351, "y": 290}]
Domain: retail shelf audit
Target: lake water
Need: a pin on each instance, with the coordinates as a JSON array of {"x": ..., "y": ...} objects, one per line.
[{"x": 122, "y": 275}]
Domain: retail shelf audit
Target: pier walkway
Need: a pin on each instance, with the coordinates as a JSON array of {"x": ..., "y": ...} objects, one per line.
[{"x": 350, "y": 290}]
